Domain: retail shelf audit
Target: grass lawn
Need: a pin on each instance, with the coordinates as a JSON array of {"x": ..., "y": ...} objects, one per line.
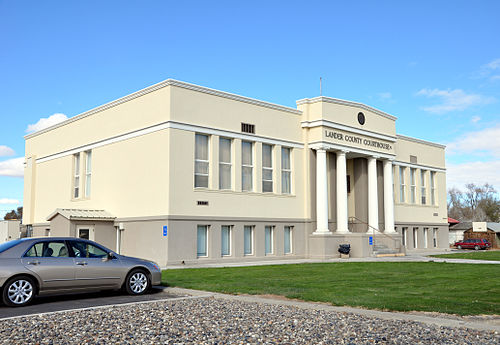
[
  {"x": 464, "y": 289},
  {"x": 492, "y": 255}
]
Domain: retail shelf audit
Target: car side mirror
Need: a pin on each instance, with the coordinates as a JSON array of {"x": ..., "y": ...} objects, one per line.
[{"x": 108, "y": 257}]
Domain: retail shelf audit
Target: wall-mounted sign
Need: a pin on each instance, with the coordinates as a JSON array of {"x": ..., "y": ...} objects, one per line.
[
  {"x": 164, "y": 230},
  {"x": 370, "y": 240},
  {"x": 350, "y": 138}
]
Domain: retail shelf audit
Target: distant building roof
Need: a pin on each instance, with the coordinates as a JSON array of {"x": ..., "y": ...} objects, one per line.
[
  {"x": 76, "y": 214},
  {"x": 468, "y": 225}
]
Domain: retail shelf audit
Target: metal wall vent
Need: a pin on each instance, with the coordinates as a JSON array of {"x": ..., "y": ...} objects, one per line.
[{"x": 247, "y": 128}]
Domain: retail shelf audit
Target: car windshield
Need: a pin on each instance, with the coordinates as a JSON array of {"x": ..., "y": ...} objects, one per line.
[{"x": 8, "y": 245}]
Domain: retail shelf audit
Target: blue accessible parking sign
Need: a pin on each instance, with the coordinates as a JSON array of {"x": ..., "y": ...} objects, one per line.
[
  {"x": 164, "y": 230},
  {"x": 370, "y": 240}
]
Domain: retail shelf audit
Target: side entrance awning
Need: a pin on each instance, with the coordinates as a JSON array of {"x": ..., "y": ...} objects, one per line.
[{"x": 79, "y": 214}]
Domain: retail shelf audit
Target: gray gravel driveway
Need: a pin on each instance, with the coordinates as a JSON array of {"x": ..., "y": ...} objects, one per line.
[{"x": 213, "y": 320}]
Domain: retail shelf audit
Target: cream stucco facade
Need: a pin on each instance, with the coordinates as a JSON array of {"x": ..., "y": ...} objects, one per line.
[{"x": 190, "y": 174}]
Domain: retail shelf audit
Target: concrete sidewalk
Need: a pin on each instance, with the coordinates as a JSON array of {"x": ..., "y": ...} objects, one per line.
[
  {"x": 411, "y": 256},
  {"x": 482, "y": 323}
]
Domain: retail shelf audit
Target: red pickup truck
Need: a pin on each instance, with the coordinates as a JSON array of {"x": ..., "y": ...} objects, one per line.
[{"x": 474, "y": 243}]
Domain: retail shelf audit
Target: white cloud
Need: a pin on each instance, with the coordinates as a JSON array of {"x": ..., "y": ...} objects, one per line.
[
  {"x": 457, "y": 175},
  {"x": 5, "y": 201},
  {"x": 475, "y": 119},
  {"x": 385, "y": 95},
  {"x": 12, "y": 167},
  {"x": 479, "y": 143},
  {"x": 453, "y": 100},
  {"x": 493, "y": 65},
  {"x": 6, "y": 151},
  {"x": 46, "y": 122},
  {"x": 495, "y": 77}
]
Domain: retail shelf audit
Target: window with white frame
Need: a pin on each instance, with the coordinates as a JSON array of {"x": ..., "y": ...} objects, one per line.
[
  {"x": 433, "y": 187},
  {"x": 426, "y": 236},
  {"x": 76, "y": 176},
  {"x": 246, "y": 166},
  {"x": 224, "y": 163},
  {"x": 248, "y": 239},
  {"x": 288, "y": 239},
  {"x": 423, "y": 188},
  {"x": 226, "y": 240},
  {"x": 286, "y": 171},
  {"x": 434, "y": 237},
  {"x": 267, "y": 168},
  {"x": 88, "y": 173},
  {"x": 415, "y": 237},
  {"x": 202, "y": 241},
  {"x": 201, "y": 161},
  {"x": 413, "y": 186},
  {"x": 402, "y": 186},
  {"x": 269, "y": 236}
]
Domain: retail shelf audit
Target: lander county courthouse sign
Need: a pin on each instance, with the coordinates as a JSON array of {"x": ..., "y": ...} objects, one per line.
[{"x": 360, "y": 141}]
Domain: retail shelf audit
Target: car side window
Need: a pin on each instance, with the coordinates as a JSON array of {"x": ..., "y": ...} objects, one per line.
[
  {"x": 87, "y": 250},
  {"x": 55, "y": 249}
]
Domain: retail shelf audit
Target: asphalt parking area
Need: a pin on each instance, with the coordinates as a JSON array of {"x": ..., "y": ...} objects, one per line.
[{"x": 48, "y": 304}]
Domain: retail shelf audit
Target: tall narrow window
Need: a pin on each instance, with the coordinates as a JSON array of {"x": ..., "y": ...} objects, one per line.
[
  {"x": 226, "y": 240},
  {"x": 426, "y": 235},
  {"x": 402, "y": 186},
  {"x": 201, "y": 240},
  {"x": 423, "y": 189},
  {"x": 201, "y": 161},
  {"x": 224, "y": 163},
  {"x": 415, "y": 237},
  {"x": 267, "y": 168},
  {"x": 269, "y": 239},
  {"x": 286, "y": 171},
  {"x": 88, "y": 173},
  {"x": 248, "y": 240},
  {"x": 404, "y": 233},
  {"x": 246, "y": 166},
  {"x": 413, "y": 186},
  {"x": 288, "y": 239},
  {"x": 433, "y": 187},
  {"x": 434, "y": 237},
  {"x": 76, "y": 179}
]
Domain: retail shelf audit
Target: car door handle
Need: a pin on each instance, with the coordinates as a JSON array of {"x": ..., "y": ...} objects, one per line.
[
  {"x": 82, "y": 263},
  {"x": 34, "y": 262}
]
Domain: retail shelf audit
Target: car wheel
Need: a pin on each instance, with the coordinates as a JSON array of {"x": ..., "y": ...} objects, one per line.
[
  {"x": 19, "y": 291},
  {"x": 137, "y": 282},
  {"x": 459, "y": 247},
  {"x": 476, "y": 247}
]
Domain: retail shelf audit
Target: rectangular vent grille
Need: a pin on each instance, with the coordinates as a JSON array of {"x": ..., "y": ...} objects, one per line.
[
  {"x": 247, "y": 128},
  {"x": 202, "y": 203},
  {"x": 435, "y": 214},
  {"x": 413, "y": 159}
]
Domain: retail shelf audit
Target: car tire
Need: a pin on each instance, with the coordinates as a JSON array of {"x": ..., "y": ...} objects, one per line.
[
  {"x": 476, "y": 248},
  {"x": 137, "y": 282},
  {"x": 459, "y": 247},
  {"x": 19, "y": 291}
]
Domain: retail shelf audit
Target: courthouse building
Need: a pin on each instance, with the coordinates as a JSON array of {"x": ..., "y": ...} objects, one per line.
[{"x": 182, "y": 173}]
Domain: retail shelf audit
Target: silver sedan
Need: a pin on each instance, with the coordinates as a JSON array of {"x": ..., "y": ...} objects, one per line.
[{"x": 33, "y": 266}]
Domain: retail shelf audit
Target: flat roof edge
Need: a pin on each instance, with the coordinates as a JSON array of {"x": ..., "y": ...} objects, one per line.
[
  {"x": 344, "y": 102},
  {"x": 160, "y": 85},
  {"x": 420, "y": 141}
]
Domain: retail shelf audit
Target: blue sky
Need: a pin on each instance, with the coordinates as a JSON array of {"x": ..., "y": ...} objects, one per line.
[{"x": 433, "y": 64}]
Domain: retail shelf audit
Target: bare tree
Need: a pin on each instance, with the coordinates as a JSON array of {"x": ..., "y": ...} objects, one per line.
[{"x": 477, "y": 203}]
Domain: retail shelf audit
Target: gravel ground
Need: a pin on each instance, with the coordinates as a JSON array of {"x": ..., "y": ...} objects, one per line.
[{"x": 218, "y": 321}]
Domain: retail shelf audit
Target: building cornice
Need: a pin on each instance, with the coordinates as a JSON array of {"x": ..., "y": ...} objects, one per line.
[
  {"x": 344, "y": 102},
  {"x": 419, "y": 166},
  {"x": 168, "y": 82},
  {"x": 171, "y": 125},
  {"x": 420, "y": 141},
  {"x": 317, "y": 123}
]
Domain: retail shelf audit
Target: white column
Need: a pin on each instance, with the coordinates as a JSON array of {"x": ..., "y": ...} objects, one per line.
[
  {"x": 372, "y": 194},
  {"x": 388, "y": 198},
  {"x": 321, "y": 193},
  {"x": 341, "y": 193}
]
